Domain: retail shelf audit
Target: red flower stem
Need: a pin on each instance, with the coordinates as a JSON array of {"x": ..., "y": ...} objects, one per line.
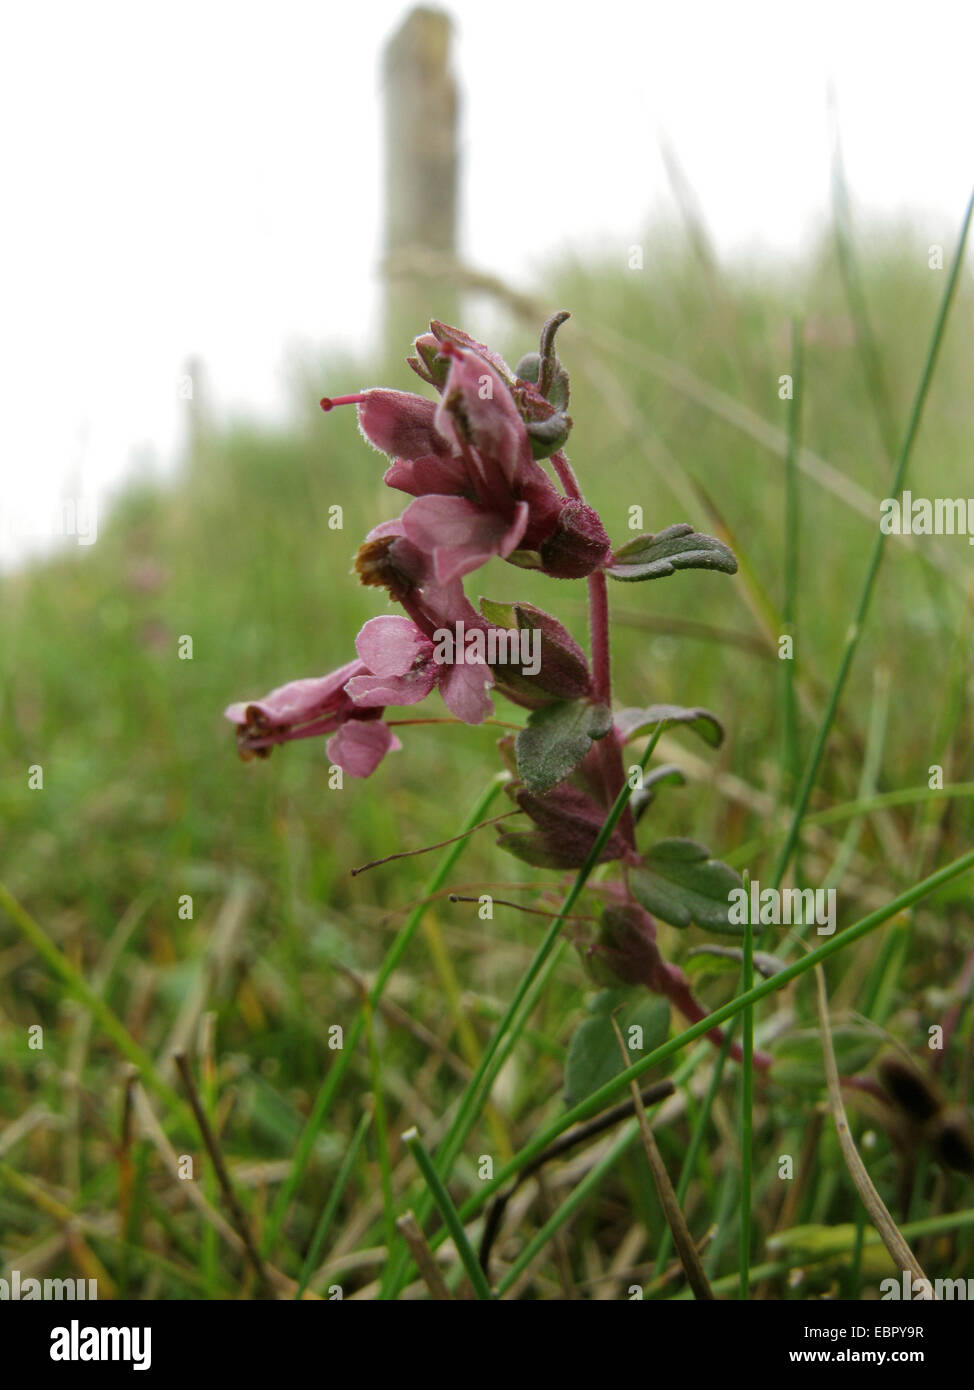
[
  {"x": 566, "y": 475},
  {"x": 669, "y": 982},
  {"x": 610, "y": 749},
  {"x": 598, "y": 621},
  {"x": 598, "y": 597}
]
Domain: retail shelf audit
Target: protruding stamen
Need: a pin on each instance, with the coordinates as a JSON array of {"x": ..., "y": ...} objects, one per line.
[
  {"x": 329, "y": 402},
  {"x": 409, "y": 853},
  {"x": 521, "y": 907}
]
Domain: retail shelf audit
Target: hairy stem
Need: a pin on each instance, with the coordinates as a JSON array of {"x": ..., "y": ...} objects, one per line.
[
  {"x": 598, "y": 619},
  {"x": 610, "y": 748}
]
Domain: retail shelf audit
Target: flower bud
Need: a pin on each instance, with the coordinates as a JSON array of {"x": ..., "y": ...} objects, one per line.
[
  {"x": 560, "y": 670},
  {"x": 428, "y": 363},
  {"x": 568, "y": 823},
  {"x": 627, "y": 943},
  {"x": 578, "y": 545}
]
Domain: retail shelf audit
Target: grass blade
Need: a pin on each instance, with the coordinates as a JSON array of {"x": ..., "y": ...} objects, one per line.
[
  {"x": 879, "y": 548},
  {"x": 341, "y": 1062},
  {"x": 449, "y": 1213}
]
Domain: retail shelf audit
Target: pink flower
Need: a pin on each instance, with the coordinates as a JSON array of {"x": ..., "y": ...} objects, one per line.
[
  {"x": 398, "y": 664},
  {"x": 469, "y": 462},
  {"x": 316, "y": 705},
  {"x": 400, "y": 654}
]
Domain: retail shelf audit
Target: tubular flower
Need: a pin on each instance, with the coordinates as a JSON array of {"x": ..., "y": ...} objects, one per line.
[
  {"x": 389, "y": 560},
  {"x": 312, "y": 706},
  {"x": 403, "y": 668},
  {"x": 469, "y": 462}
]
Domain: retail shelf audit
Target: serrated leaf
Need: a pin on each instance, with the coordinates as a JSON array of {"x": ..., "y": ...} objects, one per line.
[
  {"x": 682, "y": 884},
  {"x": 677, "y": 548},
  {"x": 593, "y": 1054},
  {"x": 556, "y": 740},
  {"x": 631, "y": 723}
]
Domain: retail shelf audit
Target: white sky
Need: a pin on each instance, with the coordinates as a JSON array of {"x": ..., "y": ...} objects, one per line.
[{"x": 203, "y": 179}]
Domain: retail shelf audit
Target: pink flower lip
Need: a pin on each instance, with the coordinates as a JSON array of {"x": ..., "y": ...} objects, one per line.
[
  {"x": 398, "y": 658},
  {"x": 359, "y": 747}
]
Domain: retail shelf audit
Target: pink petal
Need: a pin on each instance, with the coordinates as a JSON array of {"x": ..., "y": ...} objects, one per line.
[
  {"x": 299, "y": 701},
  {"x": 477, "y": 409},
  {"x": 360, "y": 745},
  {"x": 461, "y": 535},
  {"x": 400, "y": 424},
  {"x": 464, "y": 690},
  {"x": 428, "y": 474},
  {"x": 391, "y": 645},
  {"x": 444, "y": 333},
  {"x": 386, "y": 529},
  {"x": 371, "y": 692}
]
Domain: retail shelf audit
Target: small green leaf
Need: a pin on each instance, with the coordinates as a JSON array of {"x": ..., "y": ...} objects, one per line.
[
  {"x": 556, "y": 740},
  {"x": 798, "y": 1057},
  {"x": 525, "y": 559},
  {"x": 682, "y": 884},
  {"x": 643, "y": 797},
  {"x": 631, "y": 723},
  {"x": 712, "y": 959},
  {"x": 500, "y": 614},
  {"x": 593, "y": 1054},
  {"x": 677, "y": 548}
]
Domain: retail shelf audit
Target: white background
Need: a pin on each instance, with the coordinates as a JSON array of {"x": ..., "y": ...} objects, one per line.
[{"x": 203, "y": 179}]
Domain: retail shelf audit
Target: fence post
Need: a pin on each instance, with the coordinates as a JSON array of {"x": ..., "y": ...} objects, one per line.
[{"x": 421, "y": 171}]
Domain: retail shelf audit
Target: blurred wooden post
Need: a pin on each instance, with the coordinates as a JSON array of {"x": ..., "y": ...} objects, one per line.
[{"x": 421, "y": 177}]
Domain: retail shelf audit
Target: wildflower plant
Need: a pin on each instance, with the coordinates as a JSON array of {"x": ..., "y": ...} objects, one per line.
[{"x": 474, "y": 461}]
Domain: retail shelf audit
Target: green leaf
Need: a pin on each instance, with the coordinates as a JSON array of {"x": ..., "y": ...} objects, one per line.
[
  {"x": 643, "y": 797},
  {"x": 525, "y": 559},
  {"x": 556, "y": 740},
  {"x": 593, "y": 1054},
  {"x": 631, "y": 723},
  {"x": 798, "y": 1057},
  {"x": 500, "y": 614},
  {"x": 682, "y": 884},
  {"x": 713, "y": 959},
  {"x": 677, "y": 548}
]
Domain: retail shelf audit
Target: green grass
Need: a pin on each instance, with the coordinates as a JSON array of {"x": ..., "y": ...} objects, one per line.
[{"x": 675, "y": 397}]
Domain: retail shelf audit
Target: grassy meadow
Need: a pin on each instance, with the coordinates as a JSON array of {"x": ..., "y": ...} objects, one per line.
[{"x": 675, "y": 397}]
